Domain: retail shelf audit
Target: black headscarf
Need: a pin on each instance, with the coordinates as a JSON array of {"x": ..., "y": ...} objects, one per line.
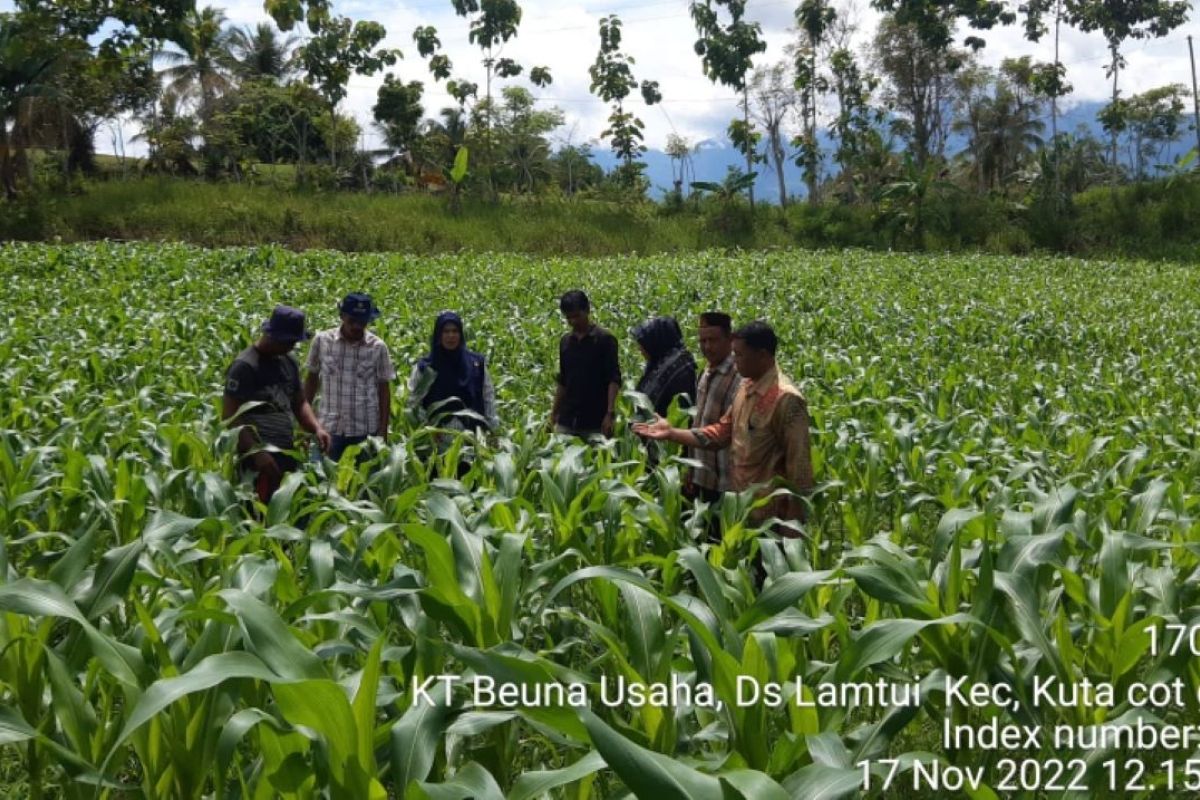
[
  {"x": 458, "y": 371},
  {"x": 660, "y": 336},
  {"x": 670, "y": 370}
]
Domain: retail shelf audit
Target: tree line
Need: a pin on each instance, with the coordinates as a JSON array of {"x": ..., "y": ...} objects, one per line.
[{"x": 866, "y": 126}]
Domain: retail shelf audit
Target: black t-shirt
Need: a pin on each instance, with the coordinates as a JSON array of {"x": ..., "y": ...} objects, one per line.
[
  {"x": 586, "y": 366},
  {"x": 273, "y": 380}
]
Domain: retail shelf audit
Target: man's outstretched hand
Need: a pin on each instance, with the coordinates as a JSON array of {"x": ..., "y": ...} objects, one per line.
[{"x": 659, "y": 429}]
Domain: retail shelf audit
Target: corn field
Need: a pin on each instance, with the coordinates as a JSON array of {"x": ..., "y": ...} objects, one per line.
[{"x": 1008, "y": 475}]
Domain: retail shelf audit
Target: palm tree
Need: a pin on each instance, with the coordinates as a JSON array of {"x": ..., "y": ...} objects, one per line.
[
  {"x": 199, "y": 68},
  {"x": 450, "y": 133},
  {"x": 1010, "y": 135},
  {"x": 258, "y": 53},
  {"x": 171, "y": 138},
  {"x": 435, "y": 148},
  {"x": 1002, "y": 128}
]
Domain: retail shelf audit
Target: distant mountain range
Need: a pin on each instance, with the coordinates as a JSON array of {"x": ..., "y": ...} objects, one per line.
[{"x": 715, "y": 157}]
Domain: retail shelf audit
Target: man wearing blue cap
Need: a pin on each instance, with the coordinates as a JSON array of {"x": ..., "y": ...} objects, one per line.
[
  {"x": 352, "y": 370},
  {"x": 268, "y": 375}
]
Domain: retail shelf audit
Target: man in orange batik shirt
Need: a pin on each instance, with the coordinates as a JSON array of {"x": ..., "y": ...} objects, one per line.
[{"x": 766, "y": 430}]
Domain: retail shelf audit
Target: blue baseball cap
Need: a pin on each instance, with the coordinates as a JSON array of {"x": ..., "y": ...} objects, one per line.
[{"x": 359, "y": 306}]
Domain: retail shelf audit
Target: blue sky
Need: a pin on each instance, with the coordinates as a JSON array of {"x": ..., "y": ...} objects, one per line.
[{"x": 660, "y": 36}]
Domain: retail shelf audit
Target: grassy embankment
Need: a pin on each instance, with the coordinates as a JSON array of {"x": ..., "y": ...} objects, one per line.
[{"x": 1158, "y": 220}]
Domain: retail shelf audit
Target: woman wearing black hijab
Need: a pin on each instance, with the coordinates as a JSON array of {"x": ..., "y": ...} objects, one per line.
[
  {"x": 453, "y": 378},
  {"x": 670, "y": 368}
]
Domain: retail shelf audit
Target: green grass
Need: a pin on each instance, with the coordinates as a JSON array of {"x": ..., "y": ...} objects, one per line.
[
  {"x": 1148, "y": 221},
  {"x": 1007, "y": 463},
  {"x": 230, "y": 214}
]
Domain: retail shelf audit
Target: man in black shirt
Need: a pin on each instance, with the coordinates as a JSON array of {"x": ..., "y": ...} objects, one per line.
[
  {"x": 267, "y": 373},
  {"x": 589, "y": 375}
]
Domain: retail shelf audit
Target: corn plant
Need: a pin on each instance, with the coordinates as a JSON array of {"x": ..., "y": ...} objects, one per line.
[{"x": 1007, "y": 462}]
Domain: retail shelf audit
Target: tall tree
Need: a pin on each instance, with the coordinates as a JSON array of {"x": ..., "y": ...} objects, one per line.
[
  {"x": 727, "y": 51},
  {"x": 492, "y": 24},
  {"x": 260, "y": 53},
  {"x": 56, "y": 88},
  {"x": 1118, "y": 22},
  {"x": 278, "y": 124},
  {"x": 26, "y": 66},
  {"x": 1001, "y": 118},
  {"x": 89, "y": 89},
  {"x": 42, "y": 42},
  {"x": 856, "y": 118},
  {"x": 814, "y": 19},
  {"x": 920, "y": 87},
  {"x": 339, "y": 49},
  {"x": 613, "y": 81},
  {"x": 1051, "y": 79},
  {"x": 774, "y": 98},
  {"x": 200, "y": 67},
  {"x": 522, "y": 137},
  {"x": 574, "y": 169},
  {"x": 110, "y": 25},
  {"x": 933, "y": 21},
  {"x": 398, "y": 113},
  {"x": 680, "y": 150},
  {"x": 854, "y": 125},
  {"x": 1150, "y": 121},
  {"x": 974, "y": 85}
]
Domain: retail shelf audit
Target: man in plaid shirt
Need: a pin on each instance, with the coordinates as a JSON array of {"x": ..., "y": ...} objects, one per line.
[
  {"x": 352, "y": 369},
  {"x": 715, "y": 391}
]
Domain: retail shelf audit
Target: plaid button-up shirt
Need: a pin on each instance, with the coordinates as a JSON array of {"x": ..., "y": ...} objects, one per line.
[
  {"x": 714, "y": 396},
  {"x": 350, "y": 374}
]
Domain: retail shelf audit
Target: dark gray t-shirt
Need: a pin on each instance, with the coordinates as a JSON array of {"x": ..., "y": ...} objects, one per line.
[{"x": 273, "y": 380}]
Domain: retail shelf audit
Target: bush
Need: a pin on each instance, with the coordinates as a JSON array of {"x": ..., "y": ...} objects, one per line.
[
  {"x": 1051, "y": 225},
  {"x": 1011, "y": 241},
  {"x": 830, "y": 225},
  {"x": 27, "y": 218},
  {"x": 729, "y": 219},
  {"x": 1154, "y": 220},
  {"x": 1157, "y": 218}
]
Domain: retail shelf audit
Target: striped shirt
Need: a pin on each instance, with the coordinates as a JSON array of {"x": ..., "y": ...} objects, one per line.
[
  {"x": 350, "y": 374},
  {"x": 714, "y": 396}
]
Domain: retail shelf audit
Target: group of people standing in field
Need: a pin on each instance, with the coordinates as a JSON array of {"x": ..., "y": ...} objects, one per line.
[{"x": 750, "y": 428}]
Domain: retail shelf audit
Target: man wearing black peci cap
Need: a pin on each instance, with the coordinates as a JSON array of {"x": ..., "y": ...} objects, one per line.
[
  {"x": 266, "y": 373},
  {"x": 352, "y": 369}
]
